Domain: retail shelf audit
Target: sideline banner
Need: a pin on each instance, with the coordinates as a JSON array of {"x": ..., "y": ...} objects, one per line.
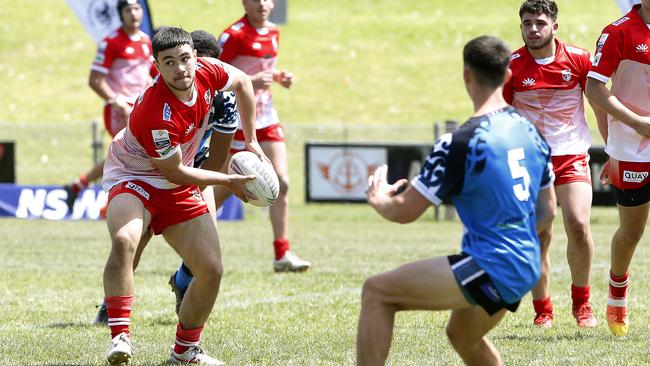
[
  {"x": 100, "y": 17},
  {"x": 336, "y": 172},
  {"x": 48, "y": 202}
]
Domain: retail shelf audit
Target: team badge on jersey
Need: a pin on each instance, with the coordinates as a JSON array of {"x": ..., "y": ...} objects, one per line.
[
  {"x": 642, "y": 48},
  {"x": 167, "y": 113},
  {"x": 129, "y": 50},
  {"x": 207, "y": 97},
  {"x": 162, "y": 142},
  {"x": 223, "y": 39},
  {"x": 566, "y": 75},
  {"x": 601, "y": 41}
]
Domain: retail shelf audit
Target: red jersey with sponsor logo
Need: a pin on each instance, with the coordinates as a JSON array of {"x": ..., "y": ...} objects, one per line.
[
  {"x": 160, "y": 125},
  {"x": 549, "y": 92},
  {"x": 126, "y": 61},
  {"x": 623, "y": 54},
  {"x": 253, "y": 50}
]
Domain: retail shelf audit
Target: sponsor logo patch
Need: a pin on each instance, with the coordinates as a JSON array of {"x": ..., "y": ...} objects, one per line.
[
  {"x": 597, "y": 59},
  {"x": 167, "y": 113},
  {"x": 528, "y": 82},
  {"x": 514, "y": 56},
  {"x": 161, "y": 138},
  {"x": 634, "y": 177},
  {"x": 141, "y": 191},
  {"x": 129, "y": 50},
  {"x": 256, "y": 46},
  {"x": 601, "y": 41},
  {"x": 642, "y": 48},
  {"x": 207, "y": 97},
  {"x": 223, "y": 39}
]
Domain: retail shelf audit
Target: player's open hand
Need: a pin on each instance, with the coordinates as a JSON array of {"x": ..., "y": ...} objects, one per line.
[
  {"x": 237, "y": 186},
  {"x": 606, "y": 174},
  {"x": 378, "y": 186}
]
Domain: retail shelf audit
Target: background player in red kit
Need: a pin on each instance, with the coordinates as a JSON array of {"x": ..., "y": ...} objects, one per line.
[
  {"x": 547, "y": 85},
  {"x": 623, "y": 54},
  {"x": 251, "y": 44},
  {"x": 152, "y": 184},
  {"x": 120, "y": 72}
]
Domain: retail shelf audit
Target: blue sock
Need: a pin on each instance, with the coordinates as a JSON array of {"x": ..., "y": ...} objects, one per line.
[{"x": 183, "y": 277}]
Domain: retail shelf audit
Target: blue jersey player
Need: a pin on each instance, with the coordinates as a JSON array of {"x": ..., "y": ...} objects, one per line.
[{"x": 496, "y": 170}]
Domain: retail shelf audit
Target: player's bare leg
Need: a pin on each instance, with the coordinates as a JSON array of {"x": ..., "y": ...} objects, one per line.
[
  {"x": 127, "y": 220},
  {"x": 467, "y": 329},
  {"x": 279, "y": 210},
  {"x": 541, "y": 292},
  {"x": 285, "y": 260},
  {"x": 196, "y": 241},
  {"x": 423, "y": 285},
  {"x": 575, "y": 200},
  {"x": 632, "y": 221}
]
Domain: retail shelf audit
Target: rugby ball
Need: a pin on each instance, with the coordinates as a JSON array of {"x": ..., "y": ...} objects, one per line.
[{"x": 266, "y": 186}]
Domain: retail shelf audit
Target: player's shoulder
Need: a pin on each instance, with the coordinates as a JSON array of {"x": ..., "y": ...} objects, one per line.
[
  {"x": 237, "y": 27},
  {"x": 518, "y": 54},
  {"x": 619, "y": 26},
  {"x": 113, "y": 35}
]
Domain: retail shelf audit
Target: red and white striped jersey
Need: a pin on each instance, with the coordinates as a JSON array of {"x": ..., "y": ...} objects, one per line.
[
  {"x": 549, "y": 92},
  {"x": 126, "y": 61},
  {"x": 623, "y": 54},
  {"x": 253, "y": 50},
  {"x": 161, "y": 125}
]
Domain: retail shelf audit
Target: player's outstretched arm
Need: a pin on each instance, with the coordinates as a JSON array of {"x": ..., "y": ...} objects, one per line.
[
  {"x": 175, "y": 172},
  {"x": 401, "y": 208},
  {"x": 597, "y": 93},
  {"x": 243, "y": 88},
  {"x": 546, "y": 208}
]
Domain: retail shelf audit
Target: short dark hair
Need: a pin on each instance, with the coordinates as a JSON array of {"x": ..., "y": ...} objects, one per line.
[
  {"x": 205, "y": 44},
  {"x": 170, "y": 37},
  {"x": 121, "y": 4},
  {"x": 547, "y": 7},
  {"x": 488, "y": 57}
]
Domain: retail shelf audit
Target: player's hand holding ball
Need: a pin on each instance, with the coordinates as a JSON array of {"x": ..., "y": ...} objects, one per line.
[
  {"x": 264, "y": 189},
  {"x": 378, "y": 187}
]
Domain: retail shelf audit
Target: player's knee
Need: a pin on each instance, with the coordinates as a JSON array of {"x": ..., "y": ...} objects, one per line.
[
  {"x": 371, "y": 290},
  {"x": 457, "y": 337},
  {"x": 211, "y": 271},
  {"x": 579, "y": 228},
  {"x": 284, "y": 185},
  {"x": 124, "y": 244},
  {"x": 631, "y": 235}
]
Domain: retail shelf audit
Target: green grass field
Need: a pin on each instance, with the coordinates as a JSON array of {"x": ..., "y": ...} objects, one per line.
[{"x": 368, "y": 70}]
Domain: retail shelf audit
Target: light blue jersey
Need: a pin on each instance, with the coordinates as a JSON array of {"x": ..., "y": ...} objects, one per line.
[{"x": 492, "y": 168}]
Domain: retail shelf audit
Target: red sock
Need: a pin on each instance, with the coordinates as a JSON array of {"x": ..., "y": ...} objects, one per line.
[
  {"x": 617, "y": 285},
  {"x": 80, "y": 183},
  {"x": 579, "y": 295},
  {"x": 119, "y": 313},
  {"x": 280, "y": 246},
  {"x": 543, "y": 306},
  {"x": 186, "y": 338}
]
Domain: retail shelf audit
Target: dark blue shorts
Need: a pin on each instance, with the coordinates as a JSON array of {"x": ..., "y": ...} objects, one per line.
[{"x": 476, "y": 285}]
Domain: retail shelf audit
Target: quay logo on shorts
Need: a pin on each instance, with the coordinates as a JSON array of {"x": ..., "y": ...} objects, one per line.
[
  {"x": 634, "y": 177},
  {"x": 138, "y": 189},
  {"x": 580, "y": 168},
  {"x": 167, "y": 112}
]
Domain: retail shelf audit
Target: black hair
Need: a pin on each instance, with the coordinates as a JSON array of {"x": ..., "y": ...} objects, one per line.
[
  {"x": 121, "y": 4},
  {"x": 488, "y": 57},
  {"x": 170, "y": 37},
  {"x": 547, "y": 7},
  {"x": 205, "y": 44}
]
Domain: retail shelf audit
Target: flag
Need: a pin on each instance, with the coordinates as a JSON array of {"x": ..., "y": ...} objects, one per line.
[{"x": 100, "y": 17}]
